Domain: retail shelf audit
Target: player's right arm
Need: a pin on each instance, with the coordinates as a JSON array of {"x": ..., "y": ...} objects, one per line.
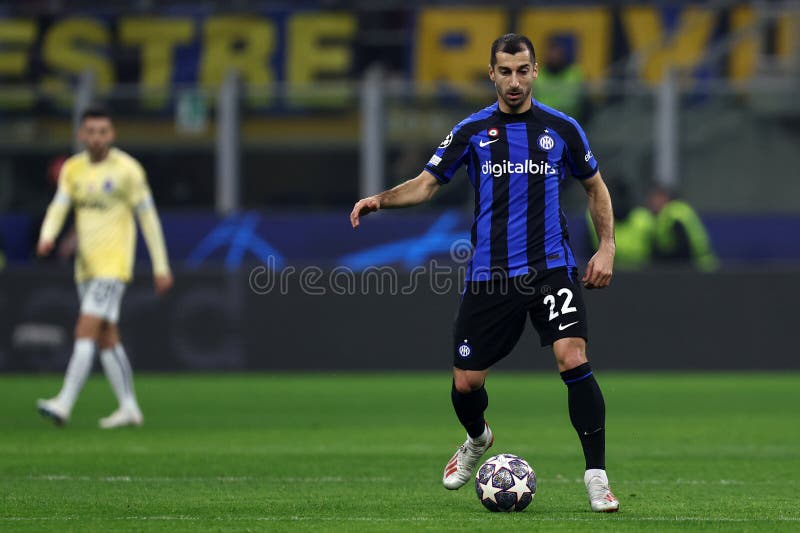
[
  {"x": 56, "y": 214},
  {"x": 412, "y": 192},
  {"x": 440, "y": 169}
]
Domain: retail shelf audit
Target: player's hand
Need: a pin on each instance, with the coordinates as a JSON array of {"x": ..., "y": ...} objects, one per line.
[
  {"x": 43, "y": 248},
  {"x": 364, "y": 206},
  {"x": 600, "y": 269},
  {"x": 163, "y": 283}
]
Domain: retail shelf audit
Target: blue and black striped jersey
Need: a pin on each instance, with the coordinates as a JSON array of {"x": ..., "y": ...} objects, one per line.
[{"x": 516, "y": 164}]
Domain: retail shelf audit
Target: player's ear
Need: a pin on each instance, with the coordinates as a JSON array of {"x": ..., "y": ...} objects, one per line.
[
  {"x": 491, "y": 73},
  {"x": 535, "y": 70}
]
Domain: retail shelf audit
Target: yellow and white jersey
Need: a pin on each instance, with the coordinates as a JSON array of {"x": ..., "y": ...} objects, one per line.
[{"x": 105, "y": 196}]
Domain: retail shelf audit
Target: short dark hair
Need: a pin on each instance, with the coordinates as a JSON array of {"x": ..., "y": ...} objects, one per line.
[
  {"x": 511, "y": 43},
  {"x": 95, "y": 111}
]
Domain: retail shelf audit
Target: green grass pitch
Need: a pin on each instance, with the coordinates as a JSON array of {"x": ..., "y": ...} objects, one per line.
[{"x": 365, "y": 452}]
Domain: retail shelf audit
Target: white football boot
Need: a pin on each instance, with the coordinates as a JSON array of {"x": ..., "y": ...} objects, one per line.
[
  {"x": 461, "y": 466},
  {"x": 601, "y": 498},
  {"x": 122, "y": 417},
  {"x": 53, "y": 410}
]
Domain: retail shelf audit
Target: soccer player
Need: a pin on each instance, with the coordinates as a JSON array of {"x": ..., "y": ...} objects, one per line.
[
  {"x": 104, "y": 186},
  {"x": 516, "y": 153}
]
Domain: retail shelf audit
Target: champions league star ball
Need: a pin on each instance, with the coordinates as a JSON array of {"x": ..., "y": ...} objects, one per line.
[{"x": 505, "y": 482}]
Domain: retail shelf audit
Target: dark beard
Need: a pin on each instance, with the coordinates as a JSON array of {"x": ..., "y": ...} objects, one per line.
[
  {"x": 98, "y": 155},
  {"x": 525, "y": 97}
]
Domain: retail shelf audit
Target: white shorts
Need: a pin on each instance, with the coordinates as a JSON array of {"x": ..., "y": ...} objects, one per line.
[{"x": 101, "y": 297}]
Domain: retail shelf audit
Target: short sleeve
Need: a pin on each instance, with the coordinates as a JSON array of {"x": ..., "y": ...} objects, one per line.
[
  {"x": 581, "y": 160},
  {"x": 450, "y": 155}
]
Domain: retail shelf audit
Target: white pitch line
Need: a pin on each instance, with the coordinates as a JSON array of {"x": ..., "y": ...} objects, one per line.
[
  {"x": 166, "y": 479},
  {"x": 364, "y": 479},
  {"x": 533, "y": 517},
  {"x": 678, "y": 481}
]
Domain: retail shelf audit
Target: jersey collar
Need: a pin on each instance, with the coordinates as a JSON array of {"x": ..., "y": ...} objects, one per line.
[{"x": 516, "y": 117}]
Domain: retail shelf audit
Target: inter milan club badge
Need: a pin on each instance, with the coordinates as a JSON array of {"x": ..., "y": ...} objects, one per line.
[
  {"x": 546, "y": 142},
  {"x": 493, "y": 132},
  {"x": 464, "y": 349}
]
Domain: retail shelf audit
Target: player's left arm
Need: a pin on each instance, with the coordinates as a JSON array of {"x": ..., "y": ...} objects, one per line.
[
  {"x": 601, "y": 266},
  {"x": 147, "y": 215},
  {"x": 584, "y": 167}
]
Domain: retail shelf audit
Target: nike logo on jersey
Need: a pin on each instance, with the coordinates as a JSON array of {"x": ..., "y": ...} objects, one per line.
[
  {"x": 487, "y": 143},
  {"x": 562, "y": 327}
]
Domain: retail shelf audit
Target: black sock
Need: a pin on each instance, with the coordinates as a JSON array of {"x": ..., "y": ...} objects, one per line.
[
  {"x": 587, "y": 411},
  {"x": 469, "y": 409}
]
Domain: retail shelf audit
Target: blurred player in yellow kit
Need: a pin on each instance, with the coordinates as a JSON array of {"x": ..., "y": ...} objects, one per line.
[{"x": 105, "y": 186}]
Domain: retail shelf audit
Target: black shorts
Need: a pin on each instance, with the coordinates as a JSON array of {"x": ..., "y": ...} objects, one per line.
[{"x": 492, "y": 314}]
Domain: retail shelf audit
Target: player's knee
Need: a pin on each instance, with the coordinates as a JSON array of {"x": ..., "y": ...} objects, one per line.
[
  {"x": 88, "y": 327},
  {"x": 570, "y": 353},
  {"x": 109, "y": 336},
  {"x": 571, "y": 361},
  {"x": 102, "y": 341},
  {"x": 467, "y": 382}
]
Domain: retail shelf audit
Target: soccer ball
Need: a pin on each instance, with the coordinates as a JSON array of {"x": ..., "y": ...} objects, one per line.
[{"x": 505, "y": 482}]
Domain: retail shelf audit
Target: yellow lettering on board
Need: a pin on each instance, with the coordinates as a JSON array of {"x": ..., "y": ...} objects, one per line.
[
  {"x": 683, "y": 48},
  {"x": 742, "y": 57},
  {"x": 319, "y": 47},
  {"x": 157, "y": 38},
  {"x": 787, "y": 43},
  {"x": 71, "y": 47},
  {"x": 16, "y": 36},
  {"x": 243, "y": 44},
  {"x": 453, "y": 44},
  {"x": 590, "y": 25}
]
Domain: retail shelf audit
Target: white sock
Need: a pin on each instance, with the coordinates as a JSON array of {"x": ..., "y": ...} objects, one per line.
[
  {"x": 78, "y": 369},
  {"x": 589, "y": 474},
  {"x": 480, "y": 441},
  {"x": 120, "y": 375}
]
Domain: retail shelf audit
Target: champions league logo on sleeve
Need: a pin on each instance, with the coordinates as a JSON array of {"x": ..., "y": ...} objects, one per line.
[{"x": 447, "y": 140}]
